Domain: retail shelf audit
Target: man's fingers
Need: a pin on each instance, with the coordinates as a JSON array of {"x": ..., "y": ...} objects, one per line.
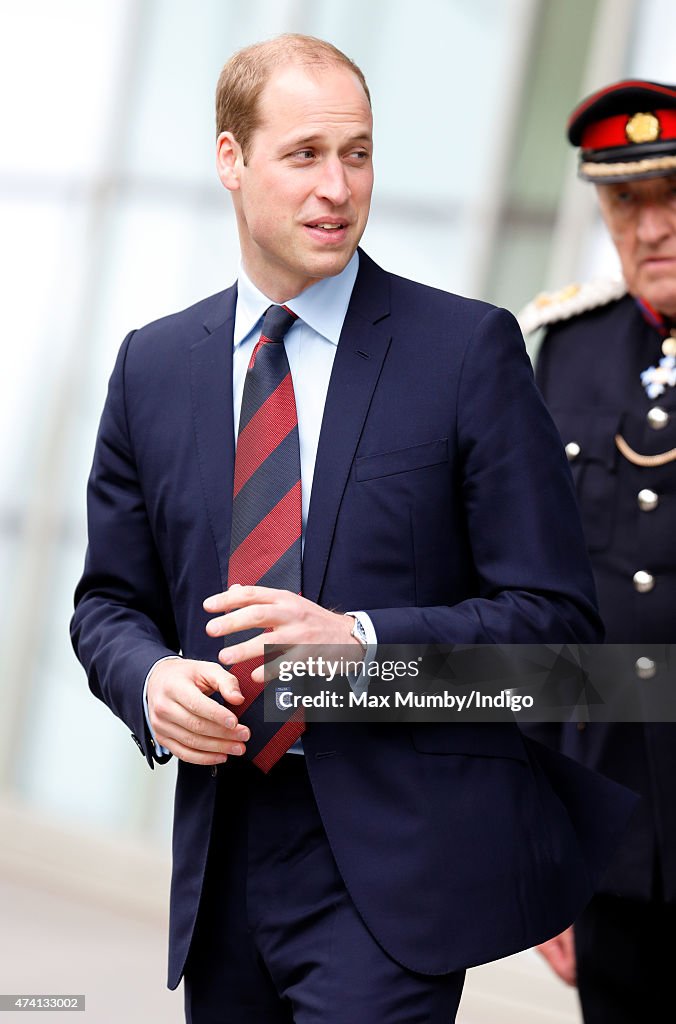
[
  {"x": 237, "y": 596},
  {"x": 559, "y": 953},
  {"x": 179, "y": 691},
  {"x": 225, "y": 683},
  {"x": 184, "y": 753},
  {"x": 271, "y": 669},
  {"x": 253, "y": 649},
  {"x": 249, "y": 650},
  {"x": 206, "y": 731},
  {"x": 263, "y": 616},
  {"x": 173, "y": 735},
  {"x": 192, "y": 698}
]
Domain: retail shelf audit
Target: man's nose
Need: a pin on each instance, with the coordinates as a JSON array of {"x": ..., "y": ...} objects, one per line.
[
  {"x": 333, "y": 184},
  {"x": 654, "y": 224}
]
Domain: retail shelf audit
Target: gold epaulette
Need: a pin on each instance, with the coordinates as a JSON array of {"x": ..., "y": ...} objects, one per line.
[{"x": 550, "y": 307}]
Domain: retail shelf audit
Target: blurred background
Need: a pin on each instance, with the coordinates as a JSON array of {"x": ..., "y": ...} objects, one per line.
[{"x": 111, "y": 215}]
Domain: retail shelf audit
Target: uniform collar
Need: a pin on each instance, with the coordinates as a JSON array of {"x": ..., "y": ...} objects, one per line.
[{"x": 661, "y": 323}]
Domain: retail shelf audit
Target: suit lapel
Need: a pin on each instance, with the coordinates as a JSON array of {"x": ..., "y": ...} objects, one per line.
[
  {"x": 361, "y": 351},
  {"x": 211, "y": 396}
]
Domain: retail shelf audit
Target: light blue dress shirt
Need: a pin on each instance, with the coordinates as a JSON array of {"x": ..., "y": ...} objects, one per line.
[{"x": 310, "y": 348}]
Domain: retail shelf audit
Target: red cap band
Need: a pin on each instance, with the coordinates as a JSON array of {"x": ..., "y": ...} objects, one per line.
[{"x": 611, "y": 131}]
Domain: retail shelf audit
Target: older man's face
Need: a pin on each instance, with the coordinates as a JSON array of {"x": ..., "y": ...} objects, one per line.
[{"x": 641, "y": 218}]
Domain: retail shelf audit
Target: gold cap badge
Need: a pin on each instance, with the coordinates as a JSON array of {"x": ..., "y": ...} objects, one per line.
[{"x": 643, "y": 128}]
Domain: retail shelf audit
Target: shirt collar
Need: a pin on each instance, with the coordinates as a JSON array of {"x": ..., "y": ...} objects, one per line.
[{"x": 322, "y": 306}]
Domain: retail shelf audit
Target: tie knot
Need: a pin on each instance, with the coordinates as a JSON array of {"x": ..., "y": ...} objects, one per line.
[{"x": 276, "y": 322}]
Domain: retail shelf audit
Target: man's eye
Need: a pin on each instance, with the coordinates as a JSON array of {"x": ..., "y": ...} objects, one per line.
[
  {"x": 357, "y": 158},
  {"x": 304, "y": 154}
]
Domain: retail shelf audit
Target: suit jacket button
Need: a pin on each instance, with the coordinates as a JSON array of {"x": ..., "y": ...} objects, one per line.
[
  {"x": 647, "y": 500},
  {"x": 572, "y": 450},
  {"x": 214, "y": 771},
  {"x": 645, "y": 668},
  {"x": 643, "y": 581},
  {"x": 657, "y": 418}
]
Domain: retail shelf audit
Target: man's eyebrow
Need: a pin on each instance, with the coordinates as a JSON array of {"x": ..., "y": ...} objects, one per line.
[{"x": 309, "y": 140}]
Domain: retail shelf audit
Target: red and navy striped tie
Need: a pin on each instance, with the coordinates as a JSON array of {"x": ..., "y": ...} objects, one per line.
[{"x": 265, "y": 545}]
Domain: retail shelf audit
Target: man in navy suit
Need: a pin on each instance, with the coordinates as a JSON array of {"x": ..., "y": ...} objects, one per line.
[
  {"x": 606, "y": 370},
  {"x": 358, "y": 877}
]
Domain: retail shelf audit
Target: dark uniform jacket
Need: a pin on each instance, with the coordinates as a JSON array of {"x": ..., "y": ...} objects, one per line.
[{"x": 589, "y": 372}]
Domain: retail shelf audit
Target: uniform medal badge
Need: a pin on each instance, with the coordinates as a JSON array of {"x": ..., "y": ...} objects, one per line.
[{"x": 656, "y": 379}]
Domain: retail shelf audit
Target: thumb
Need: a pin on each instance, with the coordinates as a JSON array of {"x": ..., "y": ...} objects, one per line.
[{"x": 226, "y": 683}]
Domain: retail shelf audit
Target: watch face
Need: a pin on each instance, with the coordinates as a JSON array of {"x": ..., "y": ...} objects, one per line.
[{"x": 359, "y": 633}]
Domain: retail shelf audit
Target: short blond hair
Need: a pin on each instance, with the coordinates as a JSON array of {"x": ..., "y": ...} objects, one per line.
[{"x": 246, "y": 74}]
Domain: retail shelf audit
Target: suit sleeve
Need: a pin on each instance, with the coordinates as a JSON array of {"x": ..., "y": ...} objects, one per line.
[
  {"x": 543, "y": 366},
  {"x": 549, "y": 733},
  {"x": 533, "y": 579},
  {"x": 123, "y": 622}
]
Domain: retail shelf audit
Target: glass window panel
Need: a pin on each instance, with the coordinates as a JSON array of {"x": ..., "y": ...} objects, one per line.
[
  {"x": 42, "y": 263},
  {"x": 524, "y": 251},
  {"x": 651, "y": 42},
  {"x": 57, "y": 67},
  {"x": 162, "y": 255},
  {"x": 437, "y": 253},
  {"x": 437, "y": 118}
]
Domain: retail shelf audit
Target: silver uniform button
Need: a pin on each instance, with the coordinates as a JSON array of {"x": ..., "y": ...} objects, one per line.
[
  {"x": 657, "y": 418},
  {"x": 647, "y": 500},
  {"x": 572, "y": 450},
  {"x": 645, "y": 668},
  {"x": 643, "y": 581}
]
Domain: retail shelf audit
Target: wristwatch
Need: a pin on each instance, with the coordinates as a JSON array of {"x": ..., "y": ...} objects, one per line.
[{"x": 358, "y": 631}]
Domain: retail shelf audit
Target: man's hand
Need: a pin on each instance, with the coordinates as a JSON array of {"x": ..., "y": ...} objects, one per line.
[
  {"x": 288, "y": 621},
  {"x": 183, "y": 717},
  {"x": 559, "y": 953}
]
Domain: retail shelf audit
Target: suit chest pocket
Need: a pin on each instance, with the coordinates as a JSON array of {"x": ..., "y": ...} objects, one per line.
[
  {"x": 401, "y": 460},
  {"x": 484, "y": 739}
]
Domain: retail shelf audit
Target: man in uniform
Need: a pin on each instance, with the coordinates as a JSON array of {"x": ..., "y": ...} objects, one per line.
[{"x": 607, "y": 369}]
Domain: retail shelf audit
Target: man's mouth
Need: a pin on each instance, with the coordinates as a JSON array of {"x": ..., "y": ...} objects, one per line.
[
  {"x": 327, "y": 225},
  {"x": 654, "y": 262}
]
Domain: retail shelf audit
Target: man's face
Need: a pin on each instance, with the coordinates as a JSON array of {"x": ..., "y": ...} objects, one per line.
[
  {"x": 302, "y": 198},
  {"x": 641, "y": 218}
]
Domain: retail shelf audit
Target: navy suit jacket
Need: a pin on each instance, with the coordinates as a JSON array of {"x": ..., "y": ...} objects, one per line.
[{"x": 442, "y": 505}]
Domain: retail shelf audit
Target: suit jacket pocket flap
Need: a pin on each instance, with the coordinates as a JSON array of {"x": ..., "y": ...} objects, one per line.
[
  {"x": 484, "y": 739},
  {"x": 367, "y": 467}
]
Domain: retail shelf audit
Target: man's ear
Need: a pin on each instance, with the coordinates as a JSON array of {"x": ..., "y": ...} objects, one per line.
[{"x": 229, "y": 160}]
